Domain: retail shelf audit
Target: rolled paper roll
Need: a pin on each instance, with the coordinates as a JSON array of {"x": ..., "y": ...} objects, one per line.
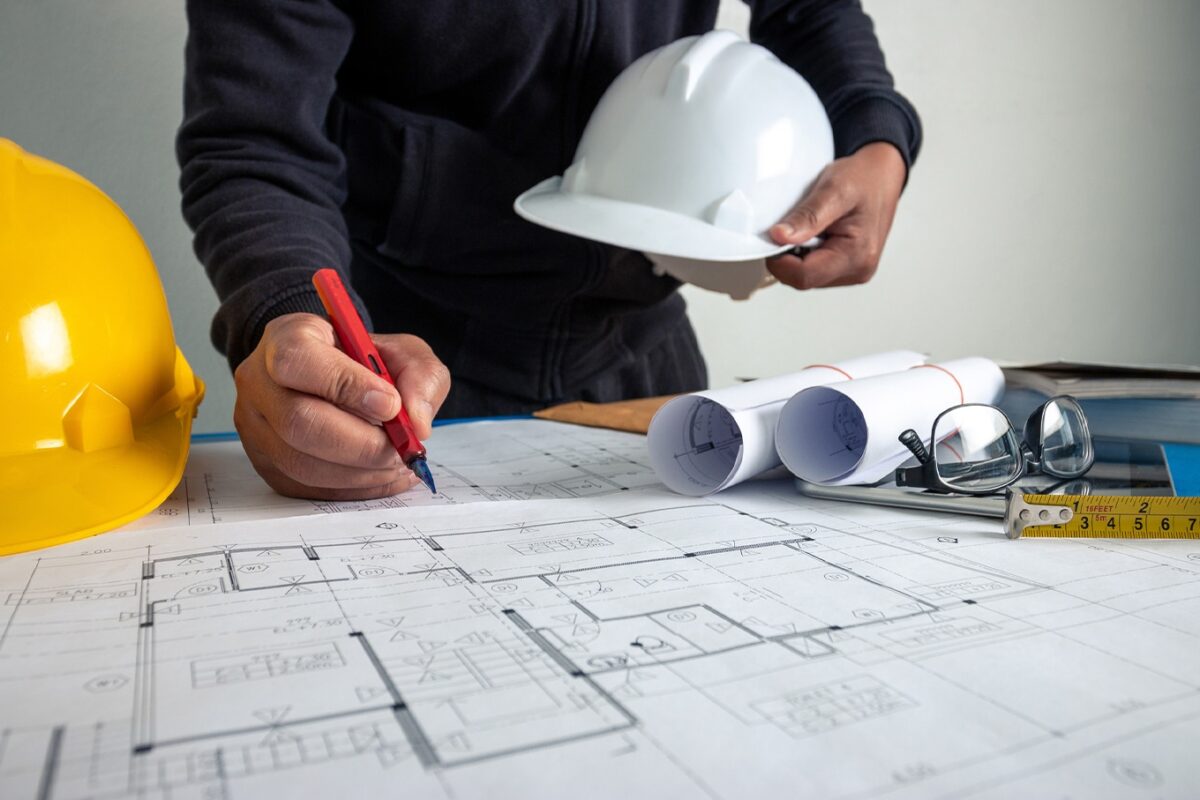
[
  {"x": 849, "y": 432},
  {"x": 704, "y": 442}
]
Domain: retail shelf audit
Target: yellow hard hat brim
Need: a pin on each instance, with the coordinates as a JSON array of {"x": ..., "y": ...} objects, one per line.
[{"x": 60, "y": 495}]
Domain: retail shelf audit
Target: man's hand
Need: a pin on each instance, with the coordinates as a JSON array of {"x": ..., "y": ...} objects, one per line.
[
  {"x": 308, "y": 415},
  {"x": 852, "y": 205}
]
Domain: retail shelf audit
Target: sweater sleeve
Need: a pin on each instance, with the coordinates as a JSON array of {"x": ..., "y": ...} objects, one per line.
[
  {"x": 832, "y": 44},
  {"x": 261, "y": 182}
]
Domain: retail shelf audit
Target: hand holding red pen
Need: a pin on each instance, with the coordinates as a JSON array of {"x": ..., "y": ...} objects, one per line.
[
  {"x": 355, "y": 341},
  {"x": 309, "y": 416}
]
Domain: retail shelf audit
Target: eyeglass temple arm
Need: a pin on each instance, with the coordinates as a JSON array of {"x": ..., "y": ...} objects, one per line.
[
  {"x": 913, "y": 442},
  {"x": 922, "y": 475}
]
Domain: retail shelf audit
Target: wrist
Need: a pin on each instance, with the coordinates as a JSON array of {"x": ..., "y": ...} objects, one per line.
[{"x": 885, "y": 161}]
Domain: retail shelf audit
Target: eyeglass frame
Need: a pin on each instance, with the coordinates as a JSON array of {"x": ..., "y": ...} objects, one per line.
[{"x": 926, "y": 476}]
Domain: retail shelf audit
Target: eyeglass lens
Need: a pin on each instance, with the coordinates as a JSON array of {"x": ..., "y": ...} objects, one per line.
[
  {"x": 1065, "y": 450},
  {"x": 975, "y": 449}
]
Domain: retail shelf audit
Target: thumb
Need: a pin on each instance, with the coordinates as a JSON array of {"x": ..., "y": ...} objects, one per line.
[
  {"x": 823, "y": 205},
  {"x": 302, "y": 357}
]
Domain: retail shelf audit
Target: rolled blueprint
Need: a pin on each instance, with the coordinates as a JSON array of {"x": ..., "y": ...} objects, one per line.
[
  {"x": 849, "y": 432},
  {"x": 704, "y": 442}
]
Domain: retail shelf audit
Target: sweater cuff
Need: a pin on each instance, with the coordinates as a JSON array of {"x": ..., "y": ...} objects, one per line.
[
  {"x": 289, "y": 293},
  {"x": 880, "y": 116}
]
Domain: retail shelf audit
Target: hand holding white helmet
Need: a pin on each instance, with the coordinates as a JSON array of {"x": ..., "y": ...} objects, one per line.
[{"x": 692, "y": 154}]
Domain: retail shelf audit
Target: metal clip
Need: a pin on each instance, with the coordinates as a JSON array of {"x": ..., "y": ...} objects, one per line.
[{"x": 1019, "y": 515}]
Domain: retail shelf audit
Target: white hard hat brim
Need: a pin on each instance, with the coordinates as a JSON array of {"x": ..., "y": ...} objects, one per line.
[{"x": 638, "y": 227}]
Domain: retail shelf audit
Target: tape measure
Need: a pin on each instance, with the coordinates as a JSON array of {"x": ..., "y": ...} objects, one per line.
[{"x": 1101, "y": 516}]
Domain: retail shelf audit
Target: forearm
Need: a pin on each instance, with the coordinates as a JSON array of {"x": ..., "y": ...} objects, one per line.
[{"x": 261, "y": 182}]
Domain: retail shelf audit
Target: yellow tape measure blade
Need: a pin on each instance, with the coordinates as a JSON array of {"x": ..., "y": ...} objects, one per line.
[{"x": 1102, "y": 516}]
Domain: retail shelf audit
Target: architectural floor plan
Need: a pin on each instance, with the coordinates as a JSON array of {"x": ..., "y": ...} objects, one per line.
[{"x": 626, "y": 643}]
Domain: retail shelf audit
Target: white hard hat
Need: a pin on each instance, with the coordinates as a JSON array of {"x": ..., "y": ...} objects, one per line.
[{"x": 694, "y": 152}]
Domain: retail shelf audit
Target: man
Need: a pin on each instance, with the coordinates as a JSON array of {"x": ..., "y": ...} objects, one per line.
[{"x": 388, "y": 139}]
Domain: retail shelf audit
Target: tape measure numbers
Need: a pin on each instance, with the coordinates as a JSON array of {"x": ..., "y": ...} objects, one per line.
[{"x": 1102, "y": 516}]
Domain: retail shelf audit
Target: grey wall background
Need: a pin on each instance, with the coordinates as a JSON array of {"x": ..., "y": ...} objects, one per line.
[{"x": 1053, "y": 212}]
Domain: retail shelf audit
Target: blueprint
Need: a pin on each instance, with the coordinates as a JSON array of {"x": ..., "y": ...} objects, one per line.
[
  {"x": 636, "y": 643},
  {"x": 483, "y": 461}
]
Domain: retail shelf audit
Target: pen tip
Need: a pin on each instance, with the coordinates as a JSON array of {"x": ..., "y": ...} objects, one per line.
[{"x": 421, "y": 470}]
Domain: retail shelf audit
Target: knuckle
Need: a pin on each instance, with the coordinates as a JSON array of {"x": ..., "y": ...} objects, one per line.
[
  {"x": 439, "y": 377},
  {"x": 396, "y": 487},
  {"x": 273, "y": 326},
  {"x": 240, "y": 377},
  {"x": 295, "y": 465},
  {"x": 866, "y": 265},
  {"x": 269, "y": 472},
  {"x": 244, "y": 374},
  {"x": 286, "y": 358},
  {"x": 401, "y": 484},
  {"x": 828, "y": 181},
  {"x": 408, "y": 341},
  {"x": 839, "y": 193},
  {"x": 240, "y": 420},
  {"x": 284, "y": 485},
  {"x": 300, "y": 423},
  {"x": 806, "y": 216},
  {"x": 854, "y": 230},
  {"x": 343, "y": 387},
  {"x": 288, "y": 323},
  {"x": 871, "y": 258},
  {"x": 374, "y": 450}
]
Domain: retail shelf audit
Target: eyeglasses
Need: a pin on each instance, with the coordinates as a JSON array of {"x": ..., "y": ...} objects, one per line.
[{"x": 976, "y": 450}]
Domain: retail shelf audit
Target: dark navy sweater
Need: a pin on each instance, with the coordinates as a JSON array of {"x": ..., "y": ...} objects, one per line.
[{"x": 388, "y": 139}]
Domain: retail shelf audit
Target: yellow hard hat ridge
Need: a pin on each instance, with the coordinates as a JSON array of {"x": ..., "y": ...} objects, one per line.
[{"x": 96, "y": 400}]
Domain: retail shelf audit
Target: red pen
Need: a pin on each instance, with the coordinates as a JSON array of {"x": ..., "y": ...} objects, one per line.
[{"x": 352, "y": 336}]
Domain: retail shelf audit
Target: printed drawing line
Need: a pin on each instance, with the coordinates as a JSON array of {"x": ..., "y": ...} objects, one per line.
[
  {"x": 20, "y": 602},
  {"x": 557, "y": 742},
  {"x": 212, "y": 504},
  {"x": 299, "y": 583},
  {"x": 640, "y": 561},
  {"x": 569, "y": 668},
  {"x": 143, "y": 695},
  {"x": 907, "y": 595},
  {"x": 53, "y": 750},
  {"x": 617, "y": 519},
  {"x": 264, "y": 728},
  {"x": 408, "y": 723}
]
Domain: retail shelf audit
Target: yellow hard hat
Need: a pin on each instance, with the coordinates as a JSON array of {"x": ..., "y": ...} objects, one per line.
[{"x": 96, "y": 401}]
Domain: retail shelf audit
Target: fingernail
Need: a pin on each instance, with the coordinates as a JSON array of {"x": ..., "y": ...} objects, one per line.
[
  {"x": 787, "y": 229},
  {"x": 380, "y": 404}
]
